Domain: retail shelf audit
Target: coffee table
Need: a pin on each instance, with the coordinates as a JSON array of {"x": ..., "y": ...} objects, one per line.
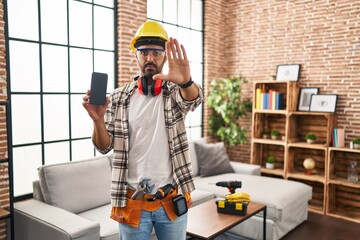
[{"x": 204, "y": 222}]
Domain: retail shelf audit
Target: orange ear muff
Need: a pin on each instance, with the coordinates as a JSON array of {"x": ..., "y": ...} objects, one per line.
[
  {"x": 142, "y": 85},
  {"x": 155, "y": 89}
]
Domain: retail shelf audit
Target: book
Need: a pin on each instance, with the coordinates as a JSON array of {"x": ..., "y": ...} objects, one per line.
[{"x": 340, "y": 137}]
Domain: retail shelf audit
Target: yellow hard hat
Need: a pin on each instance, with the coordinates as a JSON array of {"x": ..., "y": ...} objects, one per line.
[{"x": 152, "y": 33}]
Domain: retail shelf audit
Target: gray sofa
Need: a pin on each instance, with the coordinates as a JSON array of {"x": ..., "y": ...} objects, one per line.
[{"x": 72, "y": 201}]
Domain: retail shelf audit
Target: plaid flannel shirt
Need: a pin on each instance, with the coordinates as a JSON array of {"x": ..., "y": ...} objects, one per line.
[{"x": 117, "y": 124}]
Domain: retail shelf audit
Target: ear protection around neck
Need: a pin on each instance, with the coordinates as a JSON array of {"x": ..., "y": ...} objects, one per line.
[{"x": 155, "y": 88}]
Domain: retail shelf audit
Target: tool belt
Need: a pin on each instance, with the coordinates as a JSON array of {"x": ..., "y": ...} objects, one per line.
[{"x": 131, "y": 213}]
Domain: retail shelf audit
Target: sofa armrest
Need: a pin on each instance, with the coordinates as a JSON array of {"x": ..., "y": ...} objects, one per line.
[
  {"x": 36, "y": 220},
  {"x": 245, "y": 168}
]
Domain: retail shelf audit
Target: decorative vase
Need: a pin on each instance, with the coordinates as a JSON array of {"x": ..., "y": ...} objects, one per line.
[
  {"x": 311, "y": 141},
  {"x": 352, "y": 172},
  {"x": 270, "y": 165}
]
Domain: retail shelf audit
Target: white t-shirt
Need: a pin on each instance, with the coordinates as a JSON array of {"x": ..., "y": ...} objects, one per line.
[{"x": 149, "y": 155}]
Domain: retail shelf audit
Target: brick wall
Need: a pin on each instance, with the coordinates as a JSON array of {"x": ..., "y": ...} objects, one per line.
[
  {"x": 321, "y": 35},
  {"x": 131, "y": 14}
]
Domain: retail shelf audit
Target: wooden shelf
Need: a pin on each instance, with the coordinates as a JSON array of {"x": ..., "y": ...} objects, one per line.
[
  {"x": 308, "y": 145},
  {"x": 280, "y": 112},
  {"x": 303, "y": 176},
  {"x": 4, "y": 213},
  {"x": 344, "y": 182},
  {"x": 268, "y": 141},
  {"x": 277, "y": 172}
]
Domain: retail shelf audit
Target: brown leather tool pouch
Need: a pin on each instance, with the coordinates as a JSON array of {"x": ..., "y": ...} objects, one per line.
[{"x": 130, "y": 214}]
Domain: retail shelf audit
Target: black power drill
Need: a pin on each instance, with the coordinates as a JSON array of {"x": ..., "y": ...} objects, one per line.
[{"x": 231, "y": 185}]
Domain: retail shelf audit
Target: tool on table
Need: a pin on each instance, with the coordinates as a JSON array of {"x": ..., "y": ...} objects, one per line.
[
  {"x": 234, "y": 203},
  {"x": 142, "y": 189},
  {"x": 231, "y": 185}
]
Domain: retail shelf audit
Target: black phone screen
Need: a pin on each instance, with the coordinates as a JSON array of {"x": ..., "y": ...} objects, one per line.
[{"x": 98, "y": 88}]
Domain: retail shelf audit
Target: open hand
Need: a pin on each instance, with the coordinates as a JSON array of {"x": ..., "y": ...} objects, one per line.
[{"x": 179, "y": 67}]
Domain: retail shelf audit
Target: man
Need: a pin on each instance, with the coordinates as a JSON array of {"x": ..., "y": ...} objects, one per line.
[{"x": 144, "y": 124}]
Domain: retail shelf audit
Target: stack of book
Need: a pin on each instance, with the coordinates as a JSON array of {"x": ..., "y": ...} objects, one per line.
[
  {"x": 271, "y": 99},
  {"x": 338, "y": 137}
]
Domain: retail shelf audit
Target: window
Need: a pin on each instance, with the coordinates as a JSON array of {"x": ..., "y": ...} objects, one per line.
[
  {"x": 183, "y": 19},
  {"x": 54, "y": 46}
]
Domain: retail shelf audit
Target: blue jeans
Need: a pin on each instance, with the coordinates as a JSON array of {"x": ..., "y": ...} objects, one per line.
[{"x": 165, "y": 229}]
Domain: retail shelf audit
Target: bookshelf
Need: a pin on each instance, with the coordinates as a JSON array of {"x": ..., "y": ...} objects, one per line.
[{"x": 291, "y": 149}]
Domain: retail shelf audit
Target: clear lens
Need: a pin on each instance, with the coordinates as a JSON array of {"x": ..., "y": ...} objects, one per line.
[{"x": 155, "y": 53}]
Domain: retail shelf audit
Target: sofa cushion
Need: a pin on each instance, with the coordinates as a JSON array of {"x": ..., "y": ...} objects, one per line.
[
  {"x": 194, "y": 161},
  {"x": 109, "y": 229},
  {"x": 77, "y": 186},
  {"x": 212, "y": 159},
  {"x": 282, "y": 197}
]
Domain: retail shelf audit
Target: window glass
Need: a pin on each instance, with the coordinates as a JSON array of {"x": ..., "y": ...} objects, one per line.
[
  {"x": 80, "y": 69},
  {"x": 56, "y": 117},
  {"x": 184, "y": 13},
  {"x": 54, "y": 21},
  {"x": 23, "y": 19},
  {"x": 26, "y": 161},
  {"x": 103, "y": 63},
  {"x": 196, "y": 14},
  {"x": 170, "y": 11},
  {"x": 57, "y": 152},
  {"x": 106, "y": 3},
  {"x": 55, "y": 68},
  {"x": 104, "y": 28},
  {"x": 81, "y": 123},
  {"x": 26, "y": 119},
  {"x": 80, "y": 24},
  {"x": 25, "y": 67},
  {"x": 82, "y": 149},
  {"x": 49, "y": 75},
  {"x": 155, "y": 9},
  {"x": 196, "y": 51}
]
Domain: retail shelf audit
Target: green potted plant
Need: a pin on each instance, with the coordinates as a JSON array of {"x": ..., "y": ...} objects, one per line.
[
  {"x": 270, "y": 163},
  {"x": 356, "y": 143},
  {"x": 229, "y": 106},
  {"x": 275, "y": 134},
  {"x": 310, "y": 138}
]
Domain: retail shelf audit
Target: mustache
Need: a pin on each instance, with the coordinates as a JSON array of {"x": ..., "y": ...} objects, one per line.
[{"x": 150, "y": 64}]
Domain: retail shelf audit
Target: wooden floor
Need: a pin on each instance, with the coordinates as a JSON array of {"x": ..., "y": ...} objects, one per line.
[{"x": 320, "y": 227}]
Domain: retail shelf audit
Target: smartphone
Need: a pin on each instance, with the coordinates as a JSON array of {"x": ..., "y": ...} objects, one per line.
[{"x": 98, "y": 88}]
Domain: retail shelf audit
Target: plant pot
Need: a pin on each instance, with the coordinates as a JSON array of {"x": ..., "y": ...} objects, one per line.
[
  {"x": 311, "y": 141},
  {"x": 270, "y": 165},
  {"x": 274, "y": 137},
  {"x": 356, "y": 145}
]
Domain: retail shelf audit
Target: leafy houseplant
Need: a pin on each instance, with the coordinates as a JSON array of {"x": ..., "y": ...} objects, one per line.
[
  {"x": 275, "y": 134},
  {"x": 310, "y": 138},
  {"x": 228, "y": 107},
  {"x": 270, "y": 163},
  {"x": 356, "y": 142}
]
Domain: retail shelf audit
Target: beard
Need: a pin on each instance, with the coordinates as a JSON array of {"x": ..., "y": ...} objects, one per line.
[{"x": 154, "y": 70}]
